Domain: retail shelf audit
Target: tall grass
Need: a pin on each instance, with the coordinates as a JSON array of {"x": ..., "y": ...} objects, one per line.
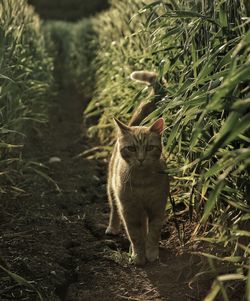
[
  {"x": 73, "y": 46},
  {"x": 26, "y": 79},
  {"x": 202, "y": 49}
]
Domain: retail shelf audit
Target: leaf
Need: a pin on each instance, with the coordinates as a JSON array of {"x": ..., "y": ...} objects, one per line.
[
  {"x": 46, "y": 177},
  {"x": 215, "y": 289},
  {"x": 235, "y": 76},
  {"x": 248, "y": 286},
  {"x": 22, "y": 281},
  {"x": 210, "y": 203},
  {"x": 241, "y": 233},
  {"x": 10, "y": 146},
  {"x": 173, "y": 133},
  {"x": 187, "y": 14},
  {"x": 6, "y": 77},
  {"x": 230, "y": 277},
  {"x": 151, "y": 5},
  {"x": 241, "y": 105},
  {"x": 233, "y": 259},
  {"x": 233, "y": 126}
]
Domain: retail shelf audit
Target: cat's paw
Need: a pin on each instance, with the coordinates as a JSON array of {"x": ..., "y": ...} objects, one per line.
[
  {"x": 138, "y": 260},
  {"x": 152, "y": 254},
  {"x": 112, "y": 231}
]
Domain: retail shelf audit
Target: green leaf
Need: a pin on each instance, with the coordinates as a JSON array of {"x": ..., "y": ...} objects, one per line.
[
  {"x": 235, "y": 76},
  {"x": 248, "y": 286},
  {"x": 241, "y": 105},
  {"x": 215, "y": 289},
  {"x": 233, "y": 126},
  {"x": 22, "y": 281},
  {"x": 6, "y": 77},
  {"x": 211, "y": 202}
]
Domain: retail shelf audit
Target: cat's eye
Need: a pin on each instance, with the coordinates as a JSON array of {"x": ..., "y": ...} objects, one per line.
[
  {"x": 131, "y": 148},
  {"x": 150, "y": 147}
]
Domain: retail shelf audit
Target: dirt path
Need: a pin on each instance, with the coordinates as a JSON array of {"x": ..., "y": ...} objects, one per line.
[{"x": 56, "y": 239}]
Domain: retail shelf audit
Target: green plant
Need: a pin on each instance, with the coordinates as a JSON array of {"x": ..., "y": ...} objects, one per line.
[
  {"x": 74, "y": 46},
  {"x": 202, "y": 49},
  {"x": 26, "y": 79},
  {"x": 21, "y": 281}
]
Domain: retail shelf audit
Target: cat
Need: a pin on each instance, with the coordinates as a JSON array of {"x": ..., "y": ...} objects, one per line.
[{"x": 137, "y": 186}]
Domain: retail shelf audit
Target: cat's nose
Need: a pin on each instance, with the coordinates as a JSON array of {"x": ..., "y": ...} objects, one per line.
[{"x": 141, "y": 160}]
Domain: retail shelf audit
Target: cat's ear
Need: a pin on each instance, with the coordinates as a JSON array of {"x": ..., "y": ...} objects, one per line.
[
  {"x": 123, "y": 128},
  {"x": 158, "y": 126}
]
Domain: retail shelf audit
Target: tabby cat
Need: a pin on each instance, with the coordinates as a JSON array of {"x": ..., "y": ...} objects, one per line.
[{"x": 137, "y": 186}]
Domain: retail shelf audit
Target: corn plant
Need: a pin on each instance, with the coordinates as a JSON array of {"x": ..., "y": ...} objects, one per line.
[
  {"x": 202, "y": 50},
  {"x": 26, "y": 79},
  {"x": 73, "y": 45}
]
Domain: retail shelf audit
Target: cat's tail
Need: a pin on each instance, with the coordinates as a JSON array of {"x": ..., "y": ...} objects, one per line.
[
  {"x": 147, "y": 77},
  {"x": 158, "y": 91}
]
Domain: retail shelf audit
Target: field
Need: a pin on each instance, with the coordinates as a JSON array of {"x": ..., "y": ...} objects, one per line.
[{"x": 61, "y": 85}]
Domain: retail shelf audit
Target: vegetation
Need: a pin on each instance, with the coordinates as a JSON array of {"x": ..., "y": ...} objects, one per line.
[
  {"x": 74, "y": 47},
  {"x": 202, "y": 50},
  {"x": 26, "y": 79},
  {"x": 26, "y": 82}
]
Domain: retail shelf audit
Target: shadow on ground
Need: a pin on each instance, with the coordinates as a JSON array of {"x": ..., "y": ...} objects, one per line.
[{"x": 55, "y": 238}]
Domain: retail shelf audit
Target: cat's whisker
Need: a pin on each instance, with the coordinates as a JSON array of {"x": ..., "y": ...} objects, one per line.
[
  {"x": 130, "y": 178},
  {"x": 128, "y": 174}
]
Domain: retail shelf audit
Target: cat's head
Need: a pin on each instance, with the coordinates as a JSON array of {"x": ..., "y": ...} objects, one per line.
[{"x": 140, "y": 146}]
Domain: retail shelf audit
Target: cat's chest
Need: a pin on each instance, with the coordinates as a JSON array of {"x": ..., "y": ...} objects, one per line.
[
  {"x": 138, "y": 180},
  {"x": 143, "y": 187}
]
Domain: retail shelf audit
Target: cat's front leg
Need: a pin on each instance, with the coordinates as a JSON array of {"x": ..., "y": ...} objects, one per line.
[
  {"x": 114, "y": 222},
  {"x": 114, "y": 217},
  {"x": 135, "y": 225},
  {"x": 152, "y": 243}
]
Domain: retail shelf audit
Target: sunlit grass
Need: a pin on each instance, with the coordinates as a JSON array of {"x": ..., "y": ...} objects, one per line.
[
  {"x": 203, "y": 52},
  {"x": 26, "y": 79},
  {"x": 25, "y": 82}
]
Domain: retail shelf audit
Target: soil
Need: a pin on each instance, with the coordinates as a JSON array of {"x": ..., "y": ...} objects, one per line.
[{"x": 53, "y": 236}]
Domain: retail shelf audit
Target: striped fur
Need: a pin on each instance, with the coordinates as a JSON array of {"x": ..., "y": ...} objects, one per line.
[
  {"x": 137, "y": 186},
  {"x": 147, "y": 107},
  {"x": 147, "y": 77}
]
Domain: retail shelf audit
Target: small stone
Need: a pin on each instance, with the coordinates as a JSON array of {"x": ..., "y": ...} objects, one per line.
[
  {"x": 64, "y": 218},
  {"x": 54, "y": 160},
  {"x": 97, "y": 179}
]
